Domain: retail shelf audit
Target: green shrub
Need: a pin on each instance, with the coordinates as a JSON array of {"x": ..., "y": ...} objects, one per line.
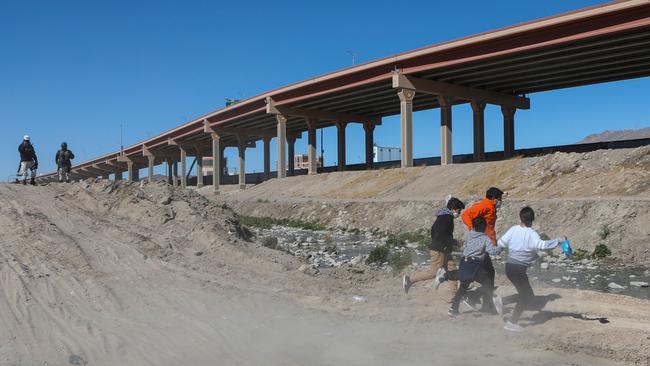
[
  {"x": 580, "y": 254},
  {"x": 421, "y": 238},
  {"x": 399, "y": 261},
  {"x": 270, "y": 242},
  {"x": 601, "y": 251},
  {"x": 378, "y": 255}
]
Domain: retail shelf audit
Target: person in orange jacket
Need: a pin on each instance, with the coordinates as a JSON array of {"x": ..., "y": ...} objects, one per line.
[{"x": 486, "y": 208}]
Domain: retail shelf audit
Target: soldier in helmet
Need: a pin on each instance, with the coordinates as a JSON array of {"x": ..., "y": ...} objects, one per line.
[
  {"x": 28, "y": 160},
  {"x": 63, "y": 161}
]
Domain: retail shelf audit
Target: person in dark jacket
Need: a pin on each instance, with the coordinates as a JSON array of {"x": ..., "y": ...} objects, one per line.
[
  {"x": 63, "y": 160},
  {"x": 441, "y": 246},
  {"x": 28, "y": 160}
]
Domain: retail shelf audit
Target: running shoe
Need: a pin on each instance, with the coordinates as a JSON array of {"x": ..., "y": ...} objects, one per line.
[
  {"x": 440, "y": 277},
  {"x": 406, "y": 283},
  {"x": 513, "y": 327}
]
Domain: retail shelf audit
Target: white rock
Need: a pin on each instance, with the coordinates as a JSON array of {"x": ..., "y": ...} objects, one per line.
[
  {"x": 358, "y": 298},
  {"x": 632, "y": 276},
  {"x": 544, "y": 265},
  {"x": 566, "y": 278},
  {"x": 615, "y": 286},
  {"x": 638, "y": 284},
  {"x": 557, "y": 280}
]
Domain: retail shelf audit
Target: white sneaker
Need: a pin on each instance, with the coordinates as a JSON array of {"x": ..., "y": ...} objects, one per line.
[
  {"x": 440, "y": 277},
  {"x": 498, "y": 303},
  {"x": 513, "y": 327},
  {"x": 406, "y": 283}
]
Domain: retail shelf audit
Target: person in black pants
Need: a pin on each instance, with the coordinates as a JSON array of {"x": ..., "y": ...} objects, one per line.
[
  {"x": 516, "y": 273},
  {"x": 523, "y": 244},
  {"x": 472, "y": 268}
]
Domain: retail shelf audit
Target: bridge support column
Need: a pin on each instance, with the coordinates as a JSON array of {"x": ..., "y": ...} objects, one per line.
[
  {"x": 508, "y": 131},
  {"x": 105, "y": 176},
  {"x": 150, "y": 163},
  {"x": 242, "y": 163},
  {"x": 175, "y": 174},
  {"x": 130, "y": 170},
  {"x": 118, "y": 176},
  {"x": 267, "y": 157},
  {"x": 199, "y": 167},
  {"x": 340, "y": 133},
  {"x": 216, "y": 163},
  {"x": 406, "y": 120},
  {"x": 311, "y": 150},
  {"x": 291, "y": 143},
  {"x": 136, "y": 173},
  {"x": 282, "y": 145},
  {"x": 170, "y": 171},
  {"x": 369, "y": 128},
  {"x": 446, "y": 152},
  {"x": 478, "y": 109},
  {"x": 183, "y": 166},
  {"x": 223, "y": 162}
]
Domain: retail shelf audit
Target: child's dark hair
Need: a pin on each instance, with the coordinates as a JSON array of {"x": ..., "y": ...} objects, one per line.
[
  {"x": 479, "y": 224},
  {"x": 527, "y": 216},
  {"x": 455, "y": 204},
  {"x": 494, "y": 193}
]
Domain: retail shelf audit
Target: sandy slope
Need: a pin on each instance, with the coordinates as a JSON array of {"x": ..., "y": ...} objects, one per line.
[{"x": 107, "y": 274}]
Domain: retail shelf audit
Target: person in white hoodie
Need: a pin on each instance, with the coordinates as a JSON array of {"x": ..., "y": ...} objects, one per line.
[{"x": 523, "y": 243}]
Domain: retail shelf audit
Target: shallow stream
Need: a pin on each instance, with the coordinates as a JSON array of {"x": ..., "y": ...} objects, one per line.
[{"x": 334, "y": 248}]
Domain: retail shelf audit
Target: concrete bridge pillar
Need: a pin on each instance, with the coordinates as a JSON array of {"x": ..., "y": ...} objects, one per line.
[
  {"x": 118, "y": 176},
  {"x": 340, "y": 133},
  {"x": 175, "y": 174},
  {"x": 242, "y": 163},
  {"x": 150, "y": 163},
  {"x": 199, "y": 167},
  {"x": 105, "y": 176},
  {"x": 508, "y": 131},
  {"x": 406, "y": 120},
  {"x": 130, "y": 171},
  {"x": 369, "y": 128},
  {"x": 216, "y": 163},
  {"x": 311, "y": 150},
  {"x": 222, "y": 160},
  {"x": 291, "y": 143},
  {"x": 282, "y": 145},
  {"x": 134, "y": 176},
  {"x": 478, "y": 109},
  {"x": 446, "y": 152},
  {"x": 267, "y": 157},
  {"x": 183, "y": 166}
]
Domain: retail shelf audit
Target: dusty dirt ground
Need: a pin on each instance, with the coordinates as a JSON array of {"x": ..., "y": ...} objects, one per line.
[
  {"x": 129, "y": 274},
  {"x": 577, "y": 195}
]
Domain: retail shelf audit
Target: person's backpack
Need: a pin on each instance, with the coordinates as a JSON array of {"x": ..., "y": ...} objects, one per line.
[{"x": 65, "y": 156}]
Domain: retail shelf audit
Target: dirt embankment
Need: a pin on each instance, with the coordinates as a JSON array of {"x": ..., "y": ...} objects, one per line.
[
  {"x": 596, "y": 197},
  {"x": 104, "y": 273}
]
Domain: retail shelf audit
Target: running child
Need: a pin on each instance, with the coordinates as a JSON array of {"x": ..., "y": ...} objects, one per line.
[
  {"x": 523, "y": 243},
  {"x": 477, "y": 246}
]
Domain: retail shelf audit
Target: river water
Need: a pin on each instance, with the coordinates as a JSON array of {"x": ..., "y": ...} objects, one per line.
[{"x": 317, "y": 247}]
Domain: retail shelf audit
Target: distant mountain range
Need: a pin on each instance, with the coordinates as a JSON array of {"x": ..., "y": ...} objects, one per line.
[{"x": 642, "y": 133}]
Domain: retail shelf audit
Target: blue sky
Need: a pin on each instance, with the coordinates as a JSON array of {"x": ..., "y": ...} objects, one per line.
[{"x": 75, "y": 70}]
